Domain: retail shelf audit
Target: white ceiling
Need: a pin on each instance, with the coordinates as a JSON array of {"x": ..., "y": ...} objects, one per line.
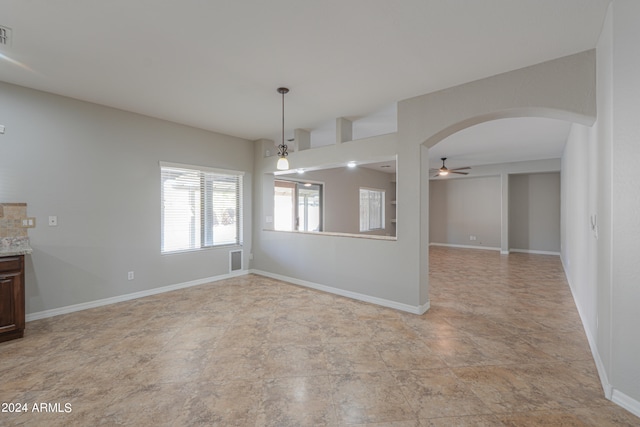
[
  {"x": 502, "y": 141},
  {"x": 216, "y": 64}
]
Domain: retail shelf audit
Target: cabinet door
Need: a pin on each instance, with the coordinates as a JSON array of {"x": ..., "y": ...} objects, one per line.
[{"x": 10, "y": 302}]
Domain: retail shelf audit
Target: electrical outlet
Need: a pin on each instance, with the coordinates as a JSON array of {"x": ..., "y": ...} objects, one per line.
[
  {"x": 28, "y": 222},
  {"x": 130, "y": 275},
  {"x": 472, "y": 237}
]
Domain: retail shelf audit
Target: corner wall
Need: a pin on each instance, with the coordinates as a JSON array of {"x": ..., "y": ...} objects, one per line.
[
  {"x": 97, "y": 169},
  {"x": 534, "y": 212}
]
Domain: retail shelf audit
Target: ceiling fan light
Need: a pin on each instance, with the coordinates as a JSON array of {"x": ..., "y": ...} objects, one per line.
[{"x": 444, "y": 173}]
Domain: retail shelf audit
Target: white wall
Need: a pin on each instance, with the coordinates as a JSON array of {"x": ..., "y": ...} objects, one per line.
[
  {"x": 578, "y": 239},
  {"x": 96, "y": 168},
  {"x": 601, "y": 230}
]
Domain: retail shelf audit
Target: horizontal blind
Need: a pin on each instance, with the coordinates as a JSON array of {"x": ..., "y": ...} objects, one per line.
[
  {"x": 200, "y": 207},
  {"x": 371, "y": 209}
]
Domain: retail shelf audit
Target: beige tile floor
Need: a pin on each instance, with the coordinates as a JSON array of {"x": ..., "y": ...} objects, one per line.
[{"x": 502, "y": 345}]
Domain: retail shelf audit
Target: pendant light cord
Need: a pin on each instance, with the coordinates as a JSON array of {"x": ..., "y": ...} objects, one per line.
[{"x": 282, "y": 149}]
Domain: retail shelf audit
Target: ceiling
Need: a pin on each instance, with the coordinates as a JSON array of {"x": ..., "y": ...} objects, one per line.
[{"x": 216, "y": 65}]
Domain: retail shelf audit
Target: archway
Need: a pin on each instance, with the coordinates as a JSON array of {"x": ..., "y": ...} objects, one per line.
[{"x": 562, "y": 89}]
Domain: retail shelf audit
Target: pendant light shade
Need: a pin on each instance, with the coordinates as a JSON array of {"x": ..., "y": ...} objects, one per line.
[{"x": 283, "y": 163}]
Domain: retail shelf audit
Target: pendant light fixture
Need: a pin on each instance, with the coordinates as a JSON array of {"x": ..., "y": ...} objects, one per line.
[{"x": 283, "y": 163}]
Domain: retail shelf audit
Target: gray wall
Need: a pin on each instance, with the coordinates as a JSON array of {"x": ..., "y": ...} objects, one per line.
[
  {"x": 96, "y": 168},
  {"x": 459, "y": 208},
  {"x": 600, "y": 205},
  {"x": 534, "y": 212},
  {"x": 360, "y": 267},
  {"x": 342, "y": 197},
  {"x": 517, "y": 204}
]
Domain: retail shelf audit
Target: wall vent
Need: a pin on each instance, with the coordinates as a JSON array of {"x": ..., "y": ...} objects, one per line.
[
  {"x": 5, "y": 36},
  {"x": 235, "y": 261}
]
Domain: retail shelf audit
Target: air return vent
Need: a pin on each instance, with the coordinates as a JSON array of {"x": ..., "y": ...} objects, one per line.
[
  {"x": 5, "y": 36},
  {"x": 235, "y": 261}
]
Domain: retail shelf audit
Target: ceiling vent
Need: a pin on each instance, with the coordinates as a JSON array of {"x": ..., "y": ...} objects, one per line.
[{"x": 5, "y": 36}]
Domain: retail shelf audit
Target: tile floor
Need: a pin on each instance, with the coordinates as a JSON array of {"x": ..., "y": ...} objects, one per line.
[{"x": 502, "y": 345}]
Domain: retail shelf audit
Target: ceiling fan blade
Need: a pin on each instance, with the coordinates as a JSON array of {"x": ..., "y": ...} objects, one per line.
[
  {"x": 459, "y": 173},
  {"x": 436, "y": 175},
  {"x": 459, "y": 169}
]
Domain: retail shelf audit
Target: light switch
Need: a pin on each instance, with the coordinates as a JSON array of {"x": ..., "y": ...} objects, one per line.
[{"x": 1, "y": 129}]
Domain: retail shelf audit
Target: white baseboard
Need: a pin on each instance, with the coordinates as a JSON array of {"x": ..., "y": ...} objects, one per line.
[
  {"x": 120, "y": 298},
  {"x": 491, "y": 248},
  {"x": 531, "y": 251},
  {"x": 628, "y": 403},
  {"x": 616, "y": 396},
  {"x": 602, "y": 372},
  {"x": 488, "y": 248},
  {"x": 419, "y": 309}
]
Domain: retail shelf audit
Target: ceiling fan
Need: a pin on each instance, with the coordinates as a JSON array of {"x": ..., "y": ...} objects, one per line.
[{"x": 444, "y": 171}]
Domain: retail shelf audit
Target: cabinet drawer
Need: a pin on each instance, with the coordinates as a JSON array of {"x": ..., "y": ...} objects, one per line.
[{"x": 10, "y": 264}]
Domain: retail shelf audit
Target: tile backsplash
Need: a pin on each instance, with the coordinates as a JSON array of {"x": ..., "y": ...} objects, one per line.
[{"x": 11, "y": 216}]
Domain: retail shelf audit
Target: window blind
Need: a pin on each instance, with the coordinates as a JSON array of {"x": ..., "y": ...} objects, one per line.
[
  {"x": 371, "y": 209},
  {"x": 201, "y": 207}
]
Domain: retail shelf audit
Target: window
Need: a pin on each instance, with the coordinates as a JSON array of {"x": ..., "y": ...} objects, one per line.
[
  {"x": 371, "y": 209},
  {"x": 201, "y": 207},
  {"x": 297, "y": 206}
]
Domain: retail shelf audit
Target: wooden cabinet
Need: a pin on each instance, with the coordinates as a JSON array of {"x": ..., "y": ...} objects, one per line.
[{"x": 11, "y": 297}]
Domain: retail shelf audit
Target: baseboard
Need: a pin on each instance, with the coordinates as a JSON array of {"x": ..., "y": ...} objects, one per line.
[
  {"x": 602, "y": 373},
  {"x": 532, "y": 251},
  {"x": 448, "y": 245},
  {"x": 491, "y": 248},
  {"x": 628, "y": 403},
  {"x": 120, "y": 298},
  {"x": 419, "y": 309}
]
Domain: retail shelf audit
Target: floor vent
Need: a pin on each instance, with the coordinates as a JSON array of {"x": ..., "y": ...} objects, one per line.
[
  {"x": 5, "y": 36},
  {"x": 235, "y": 261}
]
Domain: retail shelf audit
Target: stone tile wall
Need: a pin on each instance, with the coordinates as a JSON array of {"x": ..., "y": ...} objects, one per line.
[{"x": 11, "y": 215}]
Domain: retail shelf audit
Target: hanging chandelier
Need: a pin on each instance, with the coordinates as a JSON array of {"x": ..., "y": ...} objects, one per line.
[{"x": 283, "y": 163}]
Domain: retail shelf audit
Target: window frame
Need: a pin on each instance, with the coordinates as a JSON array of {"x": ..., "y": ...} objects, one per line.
[
  {"x": 205, "y": 210},
  {"x": 382, "y": 209},
  {"x": 295, "y": 186}
]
